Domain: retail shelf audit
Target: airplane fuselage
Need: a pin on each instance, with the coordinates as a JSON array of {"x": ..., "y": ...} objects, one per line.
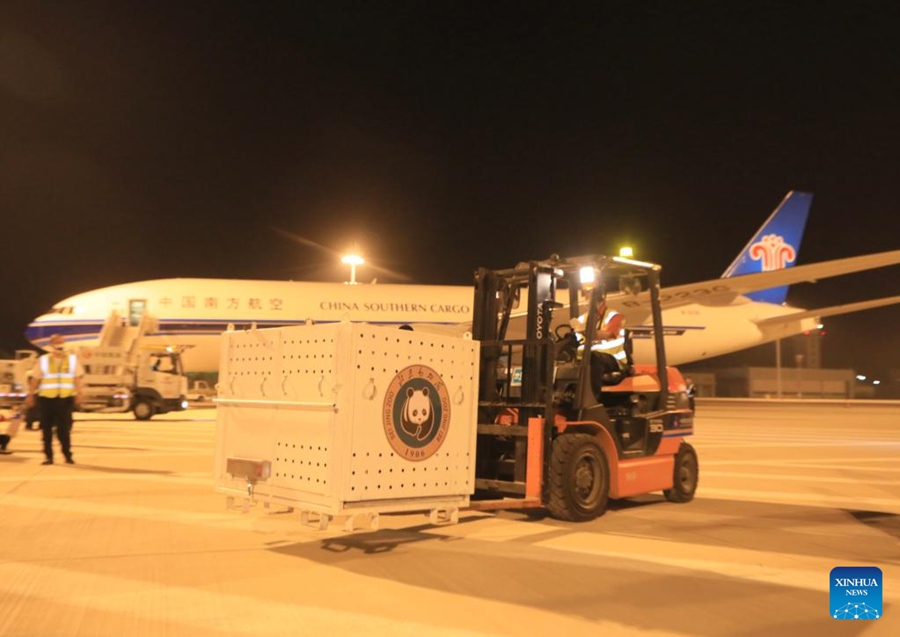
[
  {"x": 194, "y": 312},
  {"x": 741, "y": 309}
]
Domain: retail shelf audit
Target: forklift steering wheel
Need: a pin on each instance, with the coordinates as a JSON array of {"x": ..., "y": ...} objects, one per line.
[{"x": 562, "y": 331}]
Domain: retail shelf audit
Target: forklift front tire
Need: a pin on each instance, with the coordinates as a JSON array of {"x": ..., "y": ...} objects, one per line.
[
  {"x": 685, "y": 476},
  {"x": 579, "y": 478}
]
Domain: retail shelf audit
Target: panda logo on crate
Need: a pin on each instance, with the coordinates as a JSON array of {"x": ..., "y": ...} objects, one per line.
[
  {"x": 416, "y": 412},
  {"x": 417, "y": 416}
]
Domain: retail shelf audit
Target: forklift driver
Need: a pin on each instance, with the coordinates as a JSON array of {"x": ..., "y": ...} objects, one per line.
[
  {"x": 611, "y": 337},
  {"x": 609, "y": 360}
]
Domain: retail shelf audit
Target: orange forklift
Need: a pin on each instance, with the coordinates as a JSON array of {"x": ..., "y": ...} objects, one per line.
[{"x": 555, "y": 431}]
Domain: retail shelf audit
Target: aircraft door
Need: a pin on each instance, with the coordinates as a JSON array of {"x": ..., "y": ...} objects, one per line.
[{"x": 136, "y": 309}]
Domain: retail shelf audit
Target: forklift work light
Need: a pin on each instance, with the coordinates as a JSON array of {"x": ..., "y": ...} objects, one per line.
[{"x": 587, "y": 274}]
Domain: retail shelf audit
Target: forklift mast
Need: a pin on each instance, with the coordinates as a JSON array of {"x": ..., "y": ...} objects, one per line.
[{"x": 529, "y": 359}]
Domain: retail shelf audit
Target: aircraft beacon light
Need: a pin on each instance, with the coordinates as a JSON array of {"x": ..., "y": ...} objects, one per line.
[{"x": 627, "y": 252}]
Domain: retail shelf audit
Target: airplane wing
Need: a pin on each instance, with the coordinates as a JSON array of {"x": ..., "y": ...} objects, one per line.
[
  {"x": 830, "y": 311},
  {"x": 723, "y": 291}
]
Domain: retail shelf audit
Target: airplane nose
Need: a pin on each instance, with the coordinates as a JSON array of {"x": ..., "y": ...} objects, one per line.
[{"x": 35, "y": 332}]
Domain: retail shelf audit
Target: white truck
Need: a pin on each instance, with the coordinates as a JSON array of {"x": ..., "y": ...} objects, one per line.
[
  {"x": 14, "y": 377},
  {"x": 200, "y": 391},
  {"x": 146, "y": 380}
]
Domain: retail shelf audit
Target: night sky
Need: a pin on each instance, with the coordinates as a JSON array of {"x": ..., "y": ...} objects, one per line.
[{"x": 146, "y": 140}]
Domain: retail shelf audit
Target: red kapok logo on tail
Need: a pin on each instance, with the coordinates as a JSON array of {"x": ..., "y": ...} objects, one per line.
[{"x": 773, "y": 252}]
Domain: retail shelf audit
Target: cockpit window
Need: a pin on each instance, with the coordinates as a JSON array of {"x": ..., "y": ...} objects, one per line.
[{"x": 62, "y": 309}]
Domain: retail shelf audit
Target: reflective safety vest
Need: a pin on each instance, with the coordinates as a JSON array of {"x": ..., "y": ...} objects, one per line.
[
  {"x": 58, "y": 376},
  {"x": 615, "y": 347}
]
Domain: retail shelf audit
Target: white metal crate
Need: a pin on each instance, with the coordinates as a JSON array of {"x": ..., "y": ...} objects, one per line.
[{"x": 347, "y": 418}]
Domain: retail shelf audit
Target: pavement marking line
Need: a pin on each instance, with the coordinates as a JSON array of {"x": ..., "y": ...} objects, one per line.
[
  {"x": 806, "y": 433},
  {"x": 800, "y": 478},
  {"x": 492, "y": 529},
  {"x": 801, "y": 434},
  {"x": 812, "y": 440},
  {"x": 791, "y": 464},
  {"x": 811, "y": 434},
  {"x": 236, "y": 520},
  {"x": 854, "y": 503},
  {"x": 232, "y": 614},
  {"x": 149, "y": 453},
  {"x": 93, "y": 452},
  {"x": 805, "y": 445},
  {"x": 158, "y": 442},
  {"x": 811, "y": 574},
  {"x": 812, "y": 464},
  {"x": 202, "y": 609},
  {"x": 844, "y": 460},
  {"x": 92, "y": 460},
  {"x": 94, "y": 509},
  {"x": 153, "y": 477}
]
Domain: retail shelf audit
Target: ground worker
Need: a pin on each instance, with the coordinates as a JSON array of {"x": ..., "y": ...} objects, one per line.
[{"x": 56, "y": 380}]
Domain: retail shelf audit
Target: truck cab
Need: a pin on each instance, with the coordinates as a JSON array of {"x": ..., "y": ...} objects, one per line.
[
  {"x": 145, "y": 380},
  {"x": 161, "y": 385}
]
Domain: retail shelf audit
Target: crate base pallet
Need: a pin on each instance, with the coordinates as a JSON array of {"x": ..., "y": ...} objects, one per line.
[{"x": 440, "y": 512}]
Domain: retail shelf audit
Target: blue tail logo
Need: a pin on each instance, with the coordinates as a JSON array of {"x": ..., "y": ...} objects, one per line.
[{"x": 775, "y": 245}]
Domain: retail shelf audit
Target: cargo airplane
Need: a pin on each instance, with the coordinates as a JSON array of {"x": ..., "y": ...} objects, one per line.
[{"x": 742, "y": 309}]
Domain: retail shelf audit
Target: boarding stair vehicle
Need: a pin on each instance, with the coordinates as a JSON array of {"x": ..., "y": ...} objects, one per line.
[{"x": 126, "y": 372}]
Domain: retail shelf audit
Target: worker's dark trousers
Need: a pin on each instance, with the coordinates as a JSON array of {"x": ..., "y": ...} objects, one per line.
[
  {"x": 602, "y": 364},
  {"x": 56, "y": 412}
]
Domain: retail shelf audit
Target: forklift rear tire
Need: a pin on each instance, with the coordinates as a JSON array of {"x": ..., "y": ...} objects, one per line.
[
  {"x": 578, "y": 478},
  {"x": 686, "y": 475},
  {"x": 143, "y": 409}
]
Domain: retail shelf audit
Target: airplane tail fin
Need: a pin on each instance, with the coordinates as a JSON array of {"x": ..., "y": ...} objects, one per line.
[{"x": 775, "y": 245}]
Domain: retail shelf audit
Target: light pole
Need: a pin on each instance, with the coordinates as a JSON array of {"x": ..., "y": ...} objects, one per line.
[
  {"x": 352, "y": 260},
  {"x": 778, "y": 368}
]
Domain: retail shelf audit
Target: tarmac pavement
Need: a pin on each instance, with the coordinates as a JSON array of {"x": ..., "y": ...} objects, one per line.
[{"x": 133, "y": 540}]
